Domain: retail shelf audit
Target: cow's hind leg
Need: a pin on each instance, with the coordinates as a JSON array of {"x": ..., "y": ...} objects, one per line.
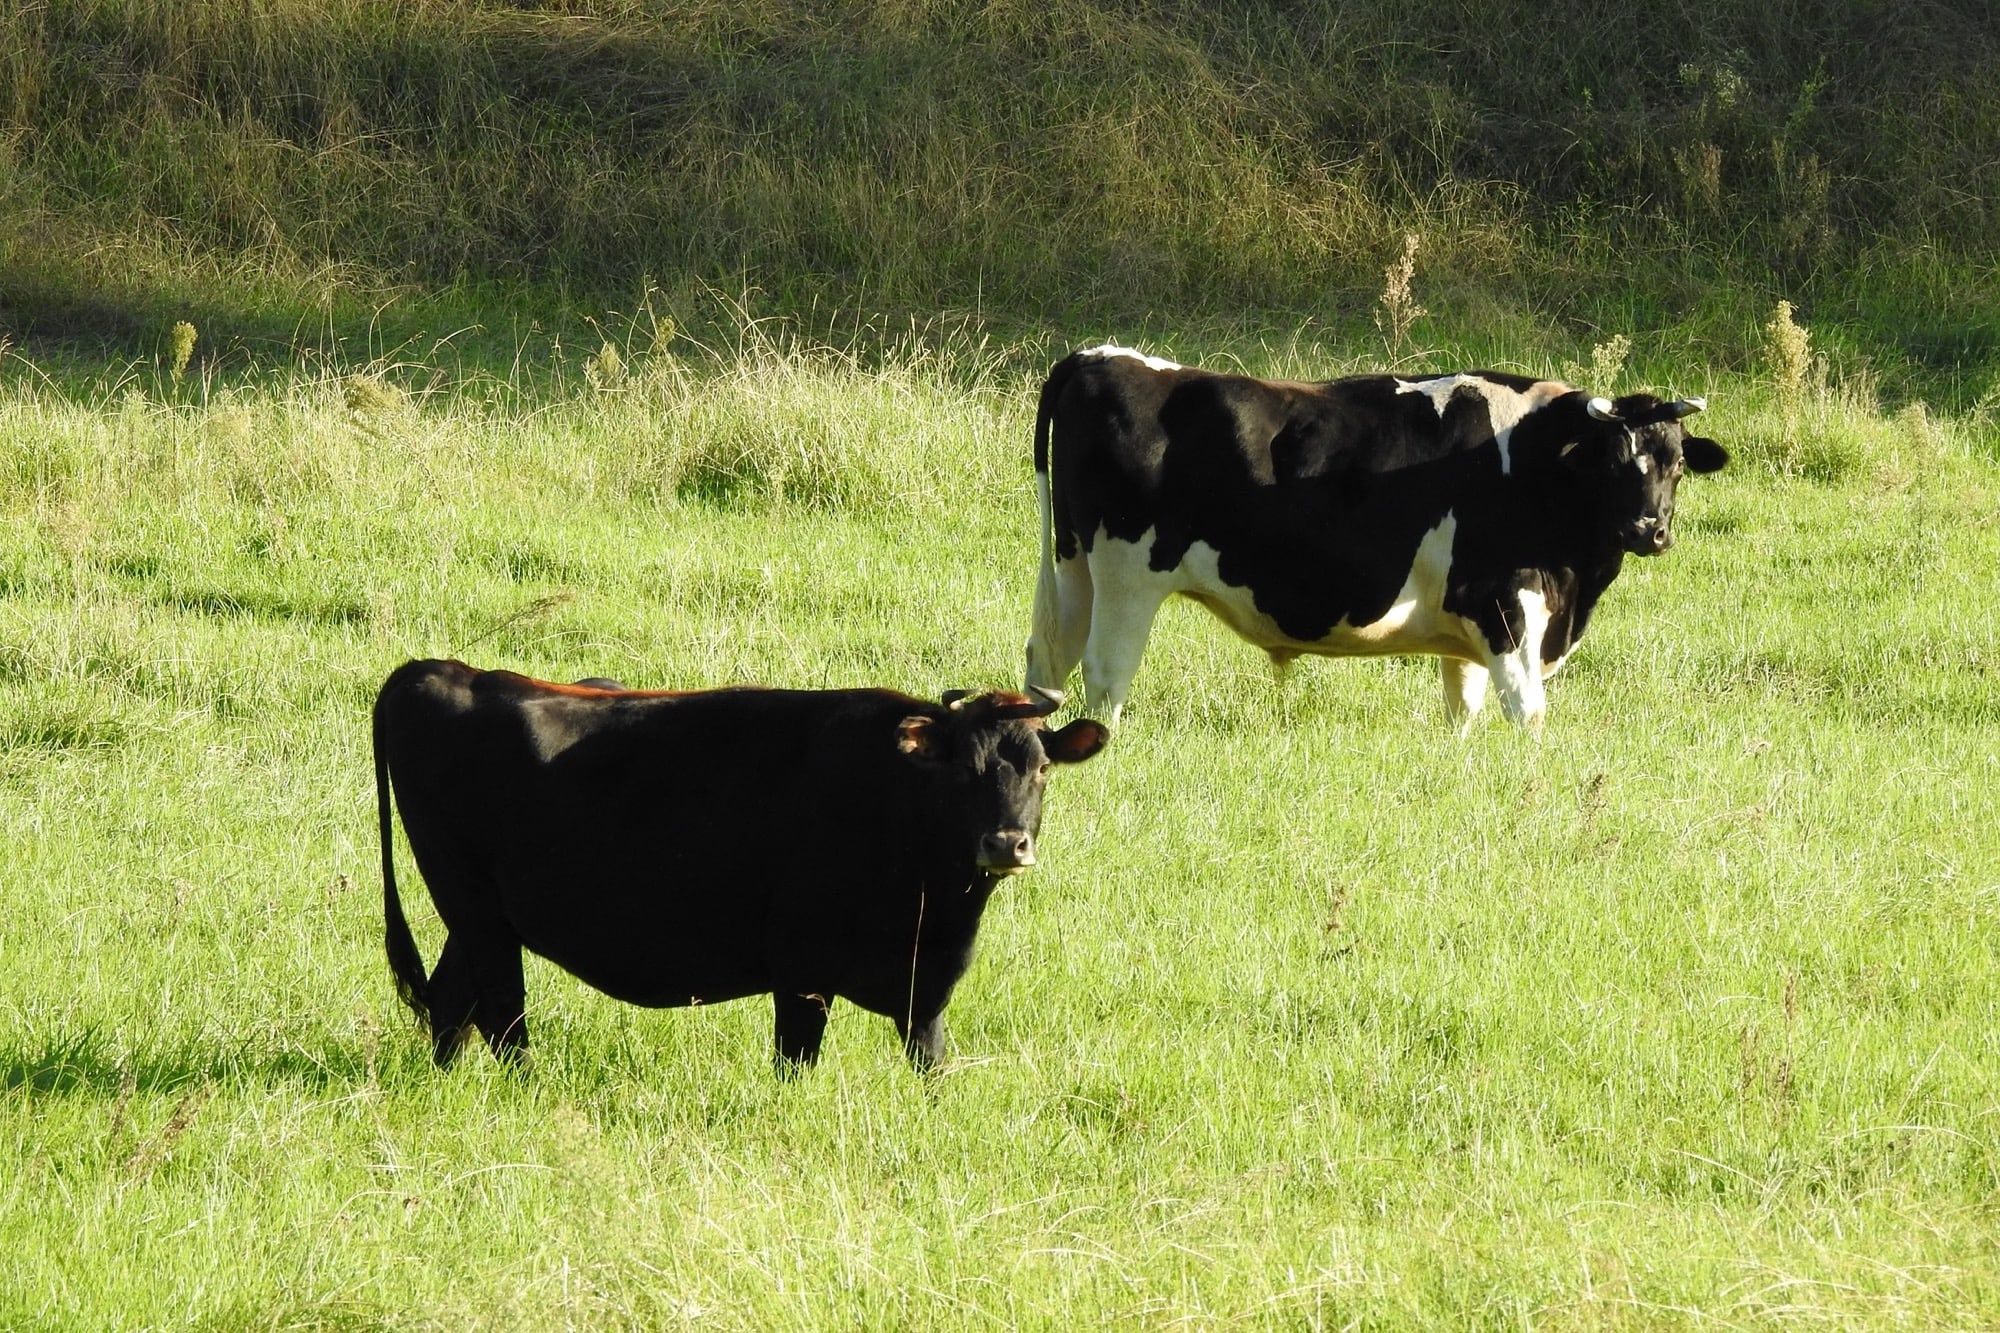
[
  {"x": 1063, "y": 597},
  {"x": 452, "y": 993},
  {"x": 1127, "y": 596},
  {"x": 501, "y": 1011}
]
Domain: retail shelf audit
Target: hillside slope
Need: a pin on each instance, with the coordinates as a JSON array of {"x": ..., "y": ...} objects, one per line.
[{"x": 1090, "y": 164}]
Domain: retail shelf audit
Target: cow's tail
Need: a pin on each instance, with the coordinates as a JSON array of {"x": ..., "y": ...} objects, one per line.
[
  {"x": 1044, "y": 633},
  {"x": 404, "y": 960}
]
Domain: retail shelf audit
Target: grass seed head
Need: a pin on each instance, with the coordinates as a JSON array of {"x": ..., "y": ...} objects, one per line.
[
  {"x": 1399, "y": 310},
  {"x": 180, "y": 349}
]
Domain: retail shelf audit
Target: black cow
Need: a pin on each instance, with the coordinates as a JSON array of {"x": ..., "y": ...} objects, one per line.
[
  {"x": 687, "y": 848},
  {"x": 1474, "y": 517}
]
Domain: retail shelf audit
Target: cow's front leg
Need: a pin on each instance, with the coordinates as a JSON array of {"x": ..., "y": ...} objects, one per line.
[
  {"x": 1514, "y": 644},
  {"x": 1464, "y": 691},
  {"x": 801, "y": 1024},
  {"x": 923, "y": 1041}
]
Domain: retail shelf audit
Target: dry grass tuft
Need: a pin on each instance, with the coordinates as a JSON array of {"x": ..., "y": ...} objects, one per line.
[{"x": 1398, "y": 310}]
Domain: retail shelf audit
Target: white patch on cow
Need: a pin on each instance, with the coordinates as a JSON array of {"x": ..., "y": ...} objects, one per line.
[
  {"x": 1517, "y": 667},
  {"x": 1505, "y": 407},
  {"x": 1104, "y": 351},
  {"x": 1464, "y": 690},
  {"x": 1644, "y": 463},
  {"x": 1439, "y": 391},
  {"x": 1125, "y": 595}
]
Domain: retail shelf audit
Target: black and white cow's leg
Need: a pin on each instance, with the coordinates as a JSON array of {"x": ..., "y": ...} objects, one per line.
[
  {"x": 1464, "y": 691},
  {"x": 1128, "y": 593},
  {"x": 1062, "y": 622},
  {"x": 800, "y": 1025},
  {"x": 1514, "y": 644}
]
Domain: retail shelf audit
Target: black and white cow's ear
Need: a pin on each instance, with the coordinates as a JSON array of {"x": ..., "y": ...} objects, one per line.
[
  {"x": 1076, "y": 742},
  {"x": 922, "y": 739},
  {"x": 1702, "y": 454}
]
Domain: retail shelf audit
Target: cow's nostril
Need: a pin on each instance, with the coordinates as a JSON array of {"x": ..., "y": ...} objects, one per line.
[
  {"x": 1007, "y": 848},
  {"x": 1661, "y": 539}
]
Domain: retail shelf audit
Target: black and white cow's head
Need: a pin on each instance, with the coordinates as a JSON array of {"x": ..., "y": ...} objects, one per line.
[
  {"x": 1635, "y": 450},
  {"x": 988, "y": 757}
]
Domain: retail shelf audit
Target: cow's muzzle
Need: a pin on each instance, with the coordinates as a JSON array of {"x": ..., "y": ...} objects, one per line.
[
  {"x": 1007, "y": 851},
  {"x": 1649, "y": 536}
]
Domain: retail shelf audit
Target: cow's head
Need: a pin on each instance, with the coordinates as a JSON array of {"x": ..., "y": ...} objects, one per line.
[
  {"x": 1636, "y": 449},
  {"x": 988, "y": 757}
]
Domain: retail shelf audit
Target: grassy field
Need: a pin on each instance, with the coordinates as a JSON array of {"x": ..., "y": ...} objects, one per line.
[
  {"x": 695, "y": 341},
  {"x": 1314, "y": 1015}
]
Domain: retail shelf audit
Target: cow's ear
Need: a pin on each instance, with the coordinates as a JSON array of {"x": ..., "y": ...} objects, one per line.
[
  {"x": 1702, "y": 454},
  {"x": 1076, "y": 742},
  {"x": 921, "y": 738}
]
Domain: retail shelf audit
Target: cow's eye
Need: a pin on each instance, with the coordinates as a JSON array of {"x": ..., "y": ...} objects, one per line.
[{"x": 1043, "y": 771}]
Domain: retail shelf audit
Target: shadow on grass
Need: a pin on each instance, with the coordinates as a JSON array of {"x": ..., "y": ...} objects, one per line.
[
  {"x": 81, "y": 1062},
  {"x": 261, "y": 604},
  {"x": 60, "y": 317}
]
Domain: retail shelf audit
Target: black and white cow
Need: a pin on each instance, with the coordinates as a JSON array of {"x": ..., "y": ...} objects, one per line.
[
  {"x": 689, "y": 848},
  {"x": 1475, "y": 517}
]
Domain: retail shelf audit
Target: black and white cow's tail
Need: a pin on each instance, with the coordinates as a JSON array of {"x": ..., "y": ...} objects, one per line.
[
  {"x": 404, "y": 960},
  {"x": 1043, "y": 633}
]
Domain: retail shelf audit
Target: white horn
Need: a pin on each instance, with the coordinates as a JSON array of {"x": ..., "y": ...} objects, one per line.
[
  {"x": 1687, "y": 407},
  {"x": 1601, "y": 409}
]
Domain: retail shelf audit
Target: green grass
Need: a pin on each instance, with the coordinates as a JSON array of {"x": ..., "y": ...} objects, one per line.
[{"x": 1313, "y": 1015}]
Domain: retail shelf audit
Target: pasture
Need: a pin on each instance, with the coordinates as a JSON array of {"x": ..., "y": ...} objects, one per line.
[{"x": 1314, "y": 1015}]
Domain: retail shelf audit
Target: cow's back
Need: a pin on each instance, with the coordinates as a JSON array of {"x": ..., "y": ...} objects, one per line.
[{"x": 1192, "y": 452}]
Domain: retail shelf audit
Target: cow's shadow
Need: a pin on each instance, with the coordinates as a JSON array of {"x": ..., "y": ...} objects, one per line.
[{"x": 84, "y": 1062}]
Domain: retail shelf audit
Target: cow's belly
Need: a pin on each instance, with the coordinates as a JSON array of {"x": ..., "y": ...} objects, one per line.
[
  {"x": 1415, "y": 623},
  {"x": 657, "y": 943},
  {"x": 660, "y": 979}
]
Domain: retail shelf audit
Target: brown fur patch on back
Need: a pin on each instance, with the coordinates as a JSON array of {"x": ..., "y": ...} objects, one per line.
[{"x": 599, "y": 692}]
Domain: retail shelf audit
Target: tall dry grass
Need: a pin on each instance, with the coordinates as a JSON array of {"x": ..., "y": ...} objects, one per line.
[{"x": 287, "y": 163}]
